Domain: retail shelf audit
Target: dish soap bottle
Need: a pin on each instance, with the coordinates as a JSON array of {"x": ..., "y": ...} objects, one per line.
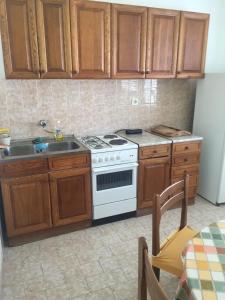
[{"x": 59, "y": 137}]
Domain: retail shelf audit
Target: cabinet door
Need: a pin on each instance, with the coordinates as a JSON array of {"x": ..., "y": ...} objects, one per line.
[
  {"x": 26, "y": 202},
  {"x": 129, "y": 28},
  {"x": 53, "y": 22},
  {"x": 192, "y": 44},
  {"x": 153, "y": 178},
  {"x": 162, "y": 43},
  {"x": 71, "y": 196},
  {"x": 90, "y": 30},
  {"x": 19, "y": 38}
]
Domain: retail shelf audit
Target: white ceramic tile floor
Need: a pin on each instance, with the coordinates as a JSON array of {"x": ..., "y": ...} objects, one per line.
[{"x": 99, "y": 263}]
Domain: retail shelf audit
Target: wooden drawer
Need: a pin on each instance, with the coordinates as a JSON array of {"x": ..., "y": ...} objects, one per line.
[
  {"x": 193, "y": 179},
  {"x": 187, "y": 159},
  {"x": 24, "y": 167},
  {"x": 179, "y": 172},
  {"x": 154, "y": 151},
  {"x": 181, "y": 148},
  {"x": 69, "y": 162}
]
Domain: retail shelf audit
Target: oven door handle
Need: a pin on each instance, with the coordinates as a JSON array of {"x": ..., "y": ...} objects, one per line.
[{"x": 115, "y": 167}]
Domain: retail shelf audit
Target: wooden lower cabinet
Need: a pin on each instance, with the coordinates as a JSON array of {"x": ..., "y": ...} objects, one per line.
[
  {"x": 153, "y": 178},
  {"x": 71, "y": 196},
  {"x": 185, "y": 160},
  {"x": 26, "y": 202}
]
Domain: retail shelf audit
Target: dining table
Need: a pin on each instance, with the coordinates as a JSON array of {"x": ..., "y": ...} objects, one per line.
[{"x": 204, "y": 265}]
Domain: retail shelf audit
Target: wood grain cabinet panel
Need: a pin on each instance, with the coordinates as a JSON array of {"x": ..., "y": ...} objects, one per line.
[
  {"x": 129, "y": 28},
  {"x": 162, "y": 43},
  {"x": 153, "y": 178},
  {"x": 19, "y": 38},
  {"x": 26, "y": 203},
  {"x": 90, "y": 30},
  {"x": 53, "y": 23},
  {"x": 71, "y": 196},
  {"x": 192, "y": 44}
]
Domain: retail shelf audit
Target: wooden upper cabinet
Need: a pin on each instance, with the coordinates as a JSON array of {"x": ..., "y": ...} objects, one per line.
[
  {"x": 53, "y": 22},
  {"x": 192, "y": 44},
  {"x": 90, "y": 30},
  {"x": 162, "y": 43},
  {"x": 129, "y": 28},
  {"x": 19, "y": 38},
  {"x": 26, "y": 203}
]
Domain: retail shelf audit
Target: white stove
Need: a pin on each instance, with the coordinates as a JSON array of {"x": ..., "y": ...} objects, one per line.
[{"x": 114, "y": 174}]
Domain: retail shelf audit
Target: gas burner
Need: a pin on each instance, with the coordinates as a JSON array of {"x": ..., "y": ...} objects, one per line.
[
  {"x": 110, "y": 136},
  {"x": 118, "y": 142}
]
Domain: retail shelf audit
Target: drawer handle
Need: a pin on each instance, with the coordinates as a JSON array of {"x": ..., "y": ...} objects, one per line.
[
  {"x": 155, "y": 151},
  {"x": 186, "y": 148},
  {"x": 186, "y": 160}
]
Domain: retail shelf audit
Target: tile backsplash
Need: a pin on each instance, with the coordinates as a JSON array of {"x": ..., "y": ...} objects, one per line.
[{"x": 95, "y": 106}]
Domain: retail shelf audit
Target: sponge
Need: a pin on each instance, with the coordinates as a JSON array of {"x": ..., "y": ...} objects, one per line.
[{"x": 4, "y": 130}]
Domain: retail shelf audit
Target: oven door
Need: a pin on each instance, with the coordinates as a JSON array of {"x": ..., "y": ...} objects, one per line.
[{"x": 114, "y": 183}]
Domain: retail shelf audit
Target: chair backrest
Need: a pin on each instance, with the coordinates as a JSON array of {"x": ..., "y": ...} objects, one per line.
[
  {"x": 147, "y": 281},
  {"x": 174, "y": 194}
]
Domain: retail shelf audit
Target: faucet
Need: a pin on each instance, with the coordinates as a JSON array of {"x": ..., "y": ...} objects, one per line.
[{"x": 57, "y": 132}]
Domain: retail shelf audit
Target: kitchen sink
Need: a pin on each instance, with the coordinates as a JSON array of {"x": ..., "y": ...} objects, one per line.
[
  {"x": 19, "y": 150},
  {"x": 62, "y": 146},
  {"x": 28, "y": 149}
]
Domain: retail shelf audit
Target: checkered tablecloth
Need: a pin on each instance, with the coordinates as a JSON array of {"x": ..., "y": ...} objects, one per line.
[{"x": 205, "y": 263}]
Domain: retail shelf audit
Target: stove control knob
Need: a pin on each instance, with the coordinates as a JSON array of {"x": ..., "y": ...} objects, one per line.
[
  {"x": 106, "y": 158},
  {"x": 117, "y": 157},
  {"x": 112, "y": 158},
  {"x": 94, "y": 160},
  {"x": 100, "y": 160}
]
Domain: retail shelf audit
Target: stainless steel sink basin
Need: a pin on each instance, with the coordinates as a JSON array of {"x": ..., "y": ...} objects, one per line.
[
  {"x": 26, "y": 149},
  {"x": 62, "y": 146},
  {"x": 19, "y": 150}
]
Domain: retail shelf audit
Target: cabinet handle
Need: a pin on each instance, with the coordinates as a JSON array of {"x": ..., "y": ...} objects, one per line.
[
  {"x": 148, "y": 72},
  {"x": 155, "y": 151},
  {"x": 142, "y": 72},
  {"x": 186, "y": 148},
  {"x": 74, "y": 72},
  {"x": 186, "y": 160}
]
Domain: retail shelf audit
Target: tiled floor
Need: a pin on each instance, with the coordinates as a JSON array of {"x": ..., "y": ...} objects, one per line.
[{"x": 99, "y": 263}]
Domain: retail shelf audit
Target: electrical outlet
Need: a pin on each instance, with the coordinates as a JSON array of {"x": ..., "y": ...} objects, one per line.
[{"x": 134, "y": 101}]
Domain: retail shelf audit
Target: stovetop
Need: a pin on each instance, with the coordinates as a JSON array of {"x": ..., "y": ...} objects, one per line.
[{"x": 108, "y": 142}]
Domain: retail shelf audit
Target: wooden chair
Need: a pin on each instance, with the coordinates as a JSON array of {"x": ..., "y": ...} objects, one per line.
[
  {"x": 168, "y": 256},
  {"x": 147, "y": 281}
]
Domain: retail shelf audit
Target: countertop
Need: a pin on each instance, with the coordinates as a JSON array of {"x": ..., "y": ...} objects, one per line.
[
  {"x": 145, "y": 139},
  {"x": 22, "y": 142},
  {"x": 185, "y": 138}
]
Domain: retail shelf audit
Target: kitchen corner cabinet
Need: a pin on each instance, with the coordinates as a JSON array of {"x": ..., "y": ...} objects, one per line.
[
  {"x": 19, "y": 38},
  {"x": 26, "y": 204},
  {"x": 153, "y": 175},
  {"x": 162, "y": 43},
  {"x": 129, "y": 28},
  {"x": 90, "y": 33},
  {"x": 192, "y": 44},
  {"x": 53, "y": 25},
  {"x": 71, "y": 196}
]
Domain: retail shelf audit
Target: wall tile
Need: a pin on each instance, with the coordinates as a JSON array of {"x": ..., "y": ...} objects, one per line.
[{"x": 95, "y": 106}]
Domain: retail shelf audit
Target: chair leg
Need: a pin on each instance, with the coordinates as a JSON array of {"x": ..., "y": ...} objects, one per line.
[
  {"x": 157, "y": 272},
  {"x": 142, "y": 288}
]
